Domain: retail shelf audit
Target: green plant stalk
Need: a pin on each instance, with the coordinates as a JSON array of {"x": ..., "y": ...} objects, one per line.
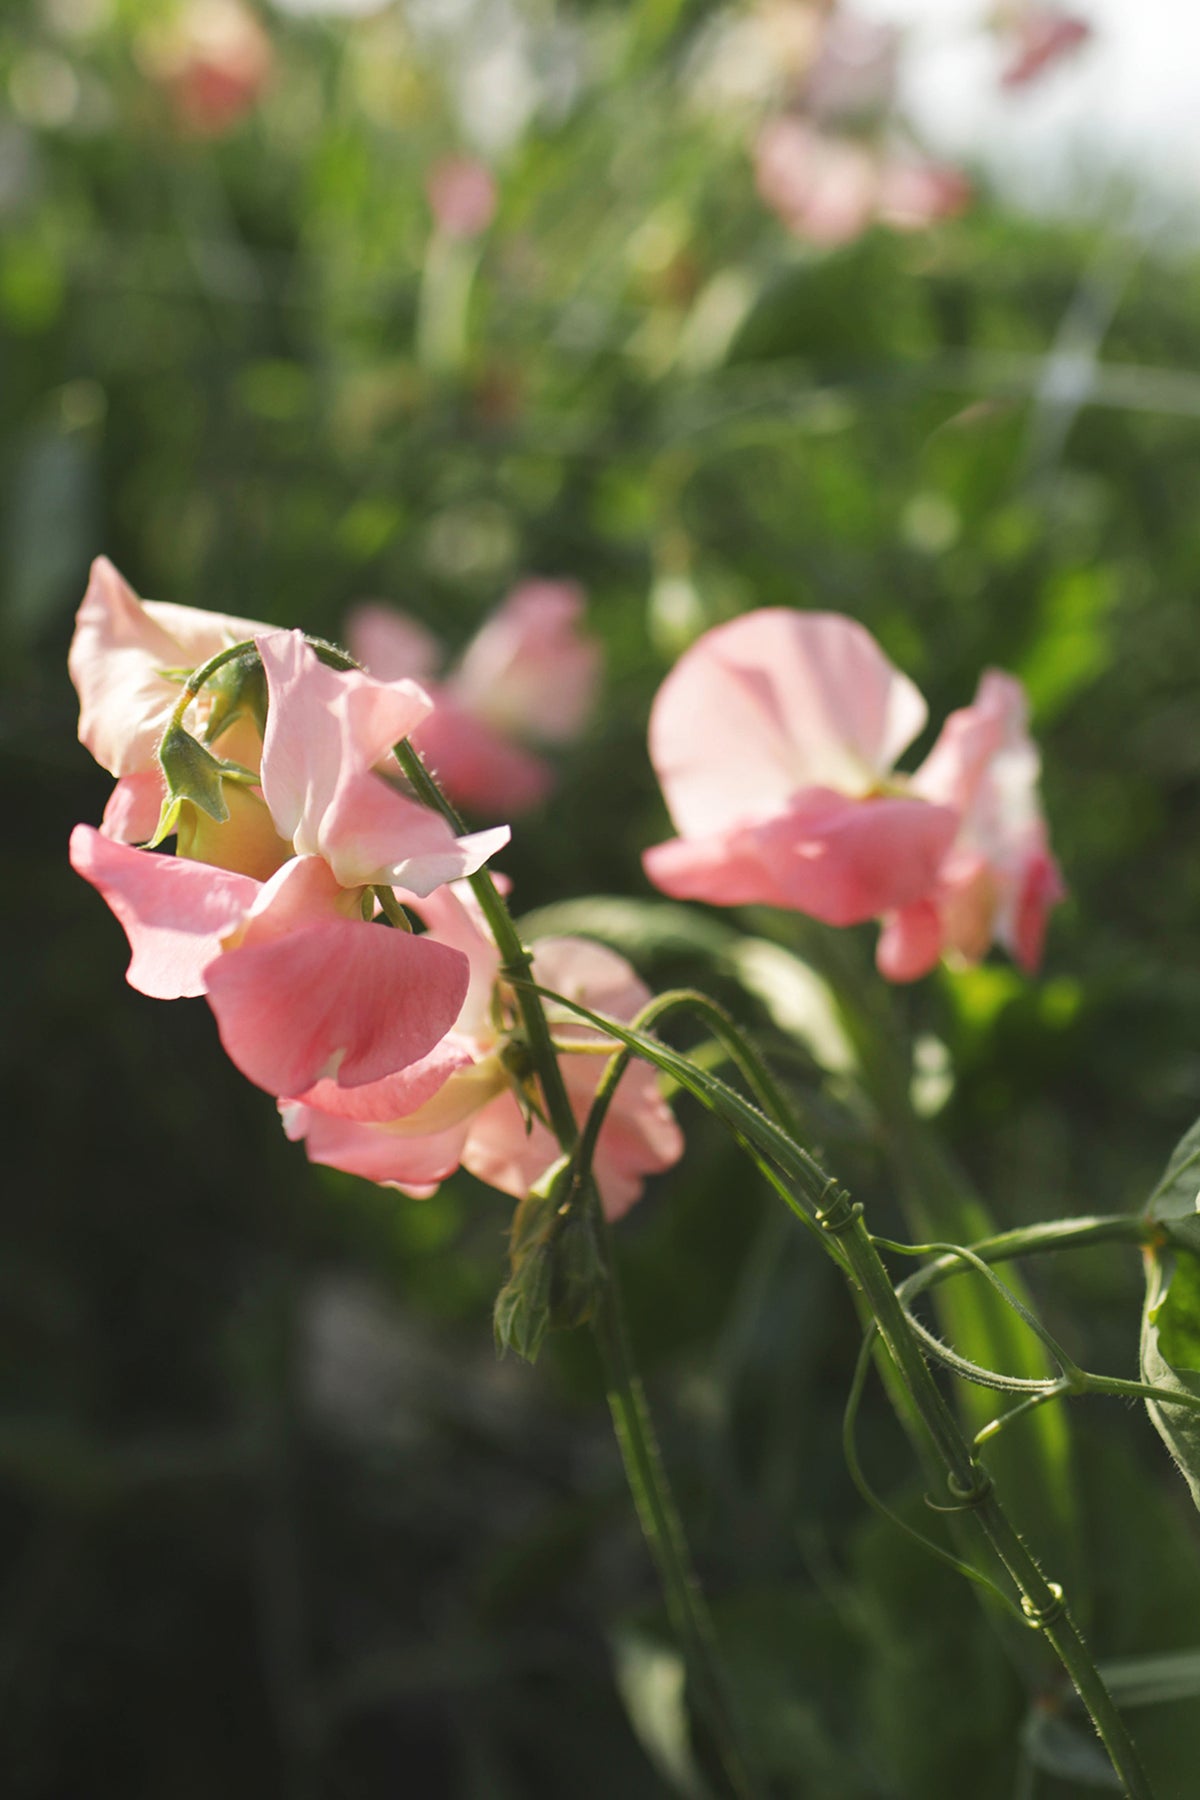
[
  {"x": 973, "y": 1495},
  {"x": 1042, "y": 1601},
  {"x": 653, "y": 1500},
  {"x": 939, "y": 1202}
]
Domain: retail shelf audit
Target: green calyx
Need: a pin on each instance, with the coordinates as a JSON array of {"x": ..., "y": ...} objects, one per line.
[
  {"x": 194, "y": 777},
  {"x": 557, "y": 1264}
]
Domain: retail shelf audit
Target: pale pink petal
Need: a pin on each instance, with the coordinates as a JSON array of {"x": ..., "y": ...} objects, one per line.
[
  {"x": 823, "y": 188},
  {"x": 342, "y": 1000},
  {"x": 117, "y": 657},
  {"x": 399, "y": 1096},
  {"x": 640, "y": 1136},
  {"x": 453, "y": 916},
  {"x": 839, "y": 860},
  {"x": 324, "y": 726},
  {"x": 414, "y": 1165},
  {"x": 132, "y": 813},
  {"x": 1037, "y": 889},
  {"x": 390, "y": 645},
  {"x": 326, "y": 731},
  {"x": 303, "y": 892},
  {"x": 590, "y": 973},
  {"x": 475, "y": 766},
  {"x": 915, "y": 193},
  {"x": 1041, "y": 37},
  {"x": 910, "y": 943},
  {"x": 529, "y": 672},
  {"x": 499, "y": 1150},
  {"x": 173, "y": 912},
  {"x": 772, "y": 703}
]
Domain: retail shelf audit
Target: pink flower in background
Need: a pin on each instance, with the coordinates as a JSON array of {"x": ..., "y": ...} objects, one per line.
[
  {"x": 462, "y": 196},
  {"x": 1037, "y": 38},
  {"x": 528, "y": 674},
  {"x": 852, "y": 74},
  {"x": 403, "y": 1136},
  {"x": 822, "y": 187},
  {"x": 214, "y": 60},
  {"x": 999, "y": 880},
  {"x": 775, "y": 739},
  {"x": 915, "y": 192},
  {"x": 829, "y": 189},
  {"x": 264, "y": 912}
]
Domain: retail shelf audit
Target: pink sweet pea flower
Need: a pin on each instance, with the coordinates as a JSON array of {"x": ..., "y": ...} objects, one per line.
[
  {"x": 264, "y": 913},
  {"x": 999, "y": 879},
  {"x": 400, "y": 1135},
  {"x": 774, "y": 739},
  {"x": 529, "y": 674}
]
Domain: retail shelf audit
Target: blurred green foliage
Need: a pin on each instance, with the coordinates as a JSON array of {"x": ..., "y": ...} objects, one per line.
[{"x": 275, "y": 1519}]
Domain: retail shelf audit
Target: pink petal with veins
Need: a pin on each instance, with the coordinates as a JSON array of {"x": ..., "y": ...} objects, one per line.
[
  {"x": 173, "y": 912},
  {"x": 337, "y": 1000}
]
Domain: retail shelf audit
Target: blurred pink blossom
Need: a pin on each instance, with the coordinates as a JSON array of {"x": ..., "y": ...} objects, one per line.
[
  {"x": 853, "y": 70},
  {"x": 1036, "y": 38},
  {"x": 528, "y": 674},
  {"x": 462, "y": 196},
  {"x": 214, "y": 60},
  {"x": 394, "y": 1135},
  {"x": 775, "y": 740},
  {"x": 829, "y": 189}
]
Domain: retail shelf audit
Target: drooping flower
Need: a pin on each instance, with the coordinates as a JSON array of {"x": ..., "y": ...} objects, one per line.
[
  {"x": 775, "y": 740},
  {"x": 268, "y": 906},
  {"x": 403, "y": 1135},
  {"x": 528, "y": 676}
]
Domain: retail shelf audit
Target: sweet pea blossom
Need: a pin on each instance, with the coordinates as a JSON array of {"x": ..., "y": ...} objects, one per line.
[
  {"x": 269, "y": 912},
  {"x": 214, "y": 61},
  {"x": 528, "y": 675},
  {"x": 775, "y": 740},
  {"x": 406, "y": 1132}
]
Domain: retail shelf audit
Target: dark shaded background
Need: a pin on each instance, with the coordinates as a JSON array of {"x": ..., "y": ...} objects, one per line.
[{"x": 275, "y": 1520}]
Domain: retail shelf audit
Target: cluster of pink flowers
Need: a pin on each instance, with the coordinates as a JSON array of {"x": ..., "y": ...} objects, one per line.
[
  {"x": 775, "y": 740},
  {"x": 297, "y": 851}
]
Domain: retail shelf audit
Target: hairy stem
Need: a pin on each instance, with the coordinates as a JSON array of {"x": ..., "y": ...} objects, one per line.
[{"x": 645, "y": 1473}]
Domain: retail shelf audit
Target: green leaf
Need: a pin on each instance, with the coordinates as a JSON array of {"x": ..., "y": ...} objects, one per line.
[
  {"x": 1175, "y": 1202},
  {"x": 1171, "y": 1354}
]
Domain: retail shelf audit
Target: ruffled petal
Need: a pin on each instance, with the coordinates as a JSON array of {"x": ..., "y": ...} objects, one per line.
[
  {"x": 771, "y": 704},
  {"x": 337, "y": 1000},
  {"x": 530, "y": 672},
  {"x": 174, "y": 913},
  {"x": 414, "y": 1165},
  {"x": 118, "y": 654},
  {"x": 835, "y": 859}
]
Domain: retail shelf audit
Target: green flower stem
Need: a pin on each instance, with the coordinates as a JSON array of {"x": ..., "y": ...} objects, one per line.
[
  {"x": 939, "y": 1202},
  {"x": 970, "y": 1484},
  {"x": 972, "y": 1492},
  {"x": 657, "y": 1512}
]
